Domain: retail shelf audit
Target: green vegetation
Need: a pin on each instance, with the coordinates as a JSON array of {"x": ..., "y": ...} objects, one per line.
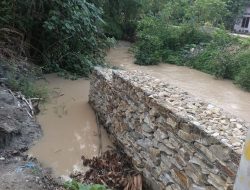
[
  {"x": 59, "y": 35},
  {"x": 20, "y": 77},
  {"x": 70, "y": 36},
  {"x": 197, "y": 35},
  {"x": 74, "y": 185},
  {"x": 243, "y": 76},
  {"x": 120, "y": 16}
]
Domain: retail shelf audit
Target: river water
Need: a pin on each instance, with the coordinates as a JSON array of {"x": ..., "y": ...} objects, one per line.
[
  {"x": 69, "y": 123},
  {"x": 69, "y": 126},
  {"x": 222, "y": 93}
]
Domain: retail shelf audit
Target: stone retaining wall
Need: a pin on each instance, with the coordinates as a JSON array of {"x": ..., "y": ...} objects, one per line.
[{"x": 177, "y": 141}]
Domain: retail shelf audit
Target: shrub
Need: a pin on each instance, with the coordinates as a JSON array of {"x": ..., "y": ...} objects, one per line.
[
  {"x": 147, "y": 52},
  {"x": 243, "y": 77},
  {"x": 74, "y": 27},
  {"x": 74, "y": 185},
  {"x": 203, "y": 60},
  {"x": 242, "y": 68},
  {"x": 194, "y": 35},
  {"x": 242, "y": 58},
  {"x": 214, "y": 57},
  {"x": 113, "y": 29},
  {"x": 158, "y": 41},
  {"x": 20, "y": 76},
  {"x": 224, "y": 65},
  {"x": 149, "y": 45},
  {"x": 120, "y": 17},
  {"x": 62, "y": 34}
]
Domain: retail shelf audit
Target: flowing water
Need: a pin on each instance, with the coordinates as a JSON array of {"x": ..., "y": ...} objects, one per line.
[
  {"x": 69, "y": 123},
  {"x": 69, "y": 126},
  {"x": 222, "y": 93}
]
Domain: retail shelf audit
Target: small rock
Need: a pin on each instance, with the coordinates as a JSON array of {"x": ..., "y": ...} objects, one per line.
[
  {"x": 223, "y": 121},
  {"x": 225, "y": 141},
  {"x": 145, "y": 143},
  {"x": 166, "y": 179},
  {"x": 2, "y": 158},
  {"x": 147, "y": 128},
  {"x": 239, "y": 126},
  {"x": 237, "y": 144},
  {"x": 210, "y": 106},
  {"x": 215, "y": 134},
  {"x": 159, "y": 135}
]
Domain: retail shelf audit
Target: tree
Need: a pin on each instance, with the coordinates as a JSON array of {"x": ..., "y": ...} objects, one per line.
[
  {"x": 208, "y": 11},
  {"x": 236, "y": 8},
  {"x": 62, "y": 34},
  {"x": 120, "y": 17}
]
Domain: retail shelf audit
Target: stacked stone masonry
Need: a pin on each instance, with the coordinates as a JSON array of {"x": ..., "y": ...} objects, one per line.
[{"x": 177, "y": 141}]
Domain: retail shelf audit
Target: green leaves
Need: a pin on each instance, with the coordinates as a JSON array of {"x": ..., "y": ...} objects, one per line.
[
  {"x": 209, "y": 11},
  {"x": 75, "y": 27},
  {"x": 120, "y": 17},
  {"x": 58, "y": 31},
  {"x": 192, "y": 33},
  {"x": 74, "y": 185}
]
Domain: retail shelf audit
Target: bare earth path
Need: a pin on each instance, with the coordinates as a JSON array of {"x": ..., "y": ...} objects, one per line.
[{"x": 222, "y": 93}]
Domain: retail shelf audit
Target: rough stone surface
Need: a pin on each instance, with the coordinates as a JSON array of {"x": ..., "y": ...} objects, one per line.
[
  {"x": 176, "y": 140},
  {"x": 17, "y": 133},
  {"x": 17, "y": 129}
]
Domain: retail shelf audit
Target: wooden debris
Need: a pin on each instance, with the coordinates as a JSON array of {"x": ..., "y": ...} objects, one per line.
[
  {"x": 113, "y": 170},
  {"x": 24, "y": 103}
]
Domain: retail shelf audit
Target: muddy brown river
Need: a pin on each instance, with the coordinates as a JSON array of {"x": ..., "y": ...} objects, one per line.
[
  {"x": 222, "y": 93},
  {"x": 69, "y": 124}
]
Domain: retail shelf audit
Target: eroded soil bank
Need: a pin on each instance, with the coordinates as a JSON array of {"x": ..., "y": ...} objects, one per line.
[
  {"x": 69, "y": 126},
  {"x": 18, "y": 130},
  {"x": 222, "y": 93}
]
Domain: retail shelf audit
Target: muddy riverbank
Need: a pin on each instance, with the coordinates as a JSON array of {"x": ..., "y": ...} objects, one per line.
[
  {"x": 68, "y": 130},
  {"x": 222, "y": 93},
  {"x": 18, "y": 130}
]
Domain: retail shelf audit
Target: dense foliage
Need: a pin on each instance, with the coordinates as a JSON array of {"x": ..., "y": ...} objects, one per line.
[
  {"x": 74, "y": 185},
  {"x": 120, "y": 17},
  {"x": 20, "y": 77},
  {"x": 59, "y": 34},
  {"x": 70, "y": 35},
  {"x": 194, "y": 34}
]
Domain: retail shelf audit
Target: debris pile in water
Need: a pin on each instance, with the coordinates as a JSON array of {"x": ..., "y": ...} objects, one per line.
[{"x": 113, "y": 170}]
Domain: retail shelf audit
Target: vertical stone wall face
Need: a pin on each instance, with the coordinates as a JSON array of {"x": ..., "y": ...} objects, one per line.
[{"x": 177, "y": 141}]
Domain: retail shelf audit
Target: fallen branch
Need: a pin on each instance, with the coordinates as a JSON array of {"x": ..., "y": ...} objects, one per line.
[
  {"x": 28, "y": 113},
  {"x": 28, "y": 103},
  {"x": 11, "y": 93},
  {"x": 36, "y": 99},
  {"x": 22, "y": 102},
  {"x": 31, "y": 107},
  {"x": 113, "y": 170}
]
